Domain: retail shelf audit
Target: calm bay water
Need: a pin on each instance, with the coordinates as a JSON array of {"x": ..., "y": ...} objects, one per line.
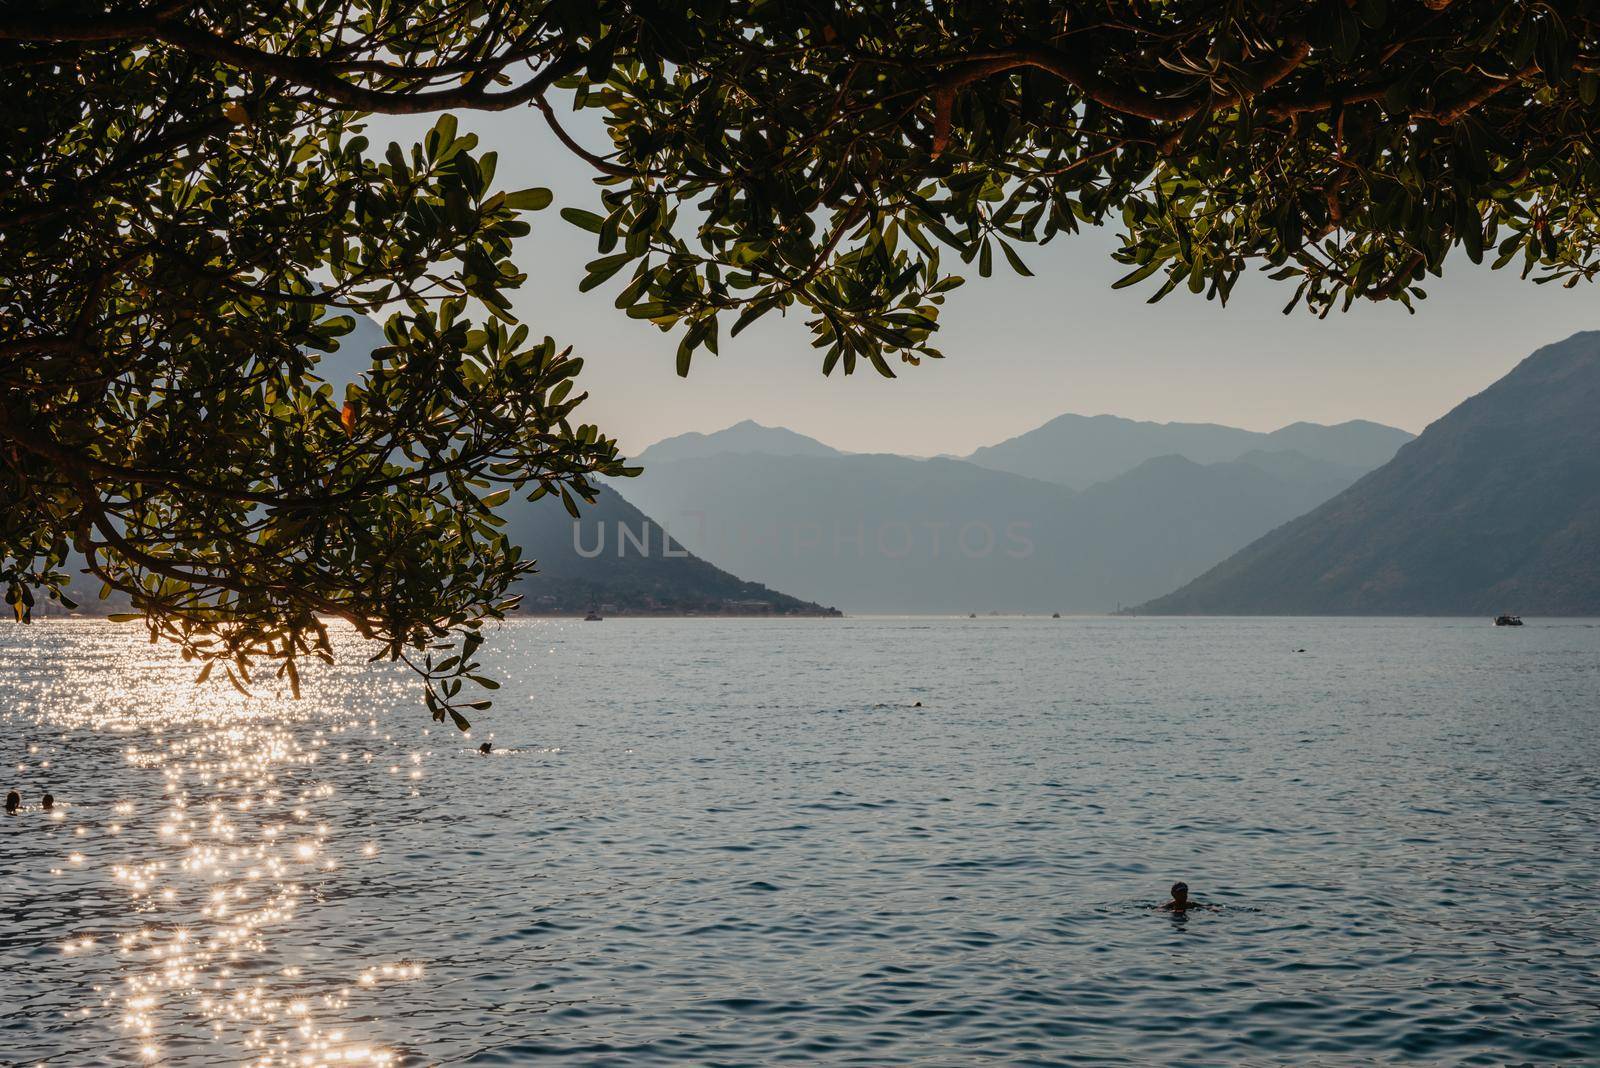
[{"x": 742, "y": 843}]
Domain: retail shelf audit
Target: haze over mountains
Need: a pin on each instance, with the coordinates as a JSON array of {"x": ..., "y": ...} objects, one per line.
[
  {"x": 1494, "y": 508},
  {"x": 614, "y": 559},
  {"x": 898, "y": 534},
  {"x": 1080, "y": 450},
  {"x": 1006, "y": 528}
]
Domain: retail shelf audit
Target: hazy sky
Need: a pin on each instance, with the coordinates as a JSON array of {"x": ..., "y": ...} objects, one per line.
[{"x": 1019, "y": 351}]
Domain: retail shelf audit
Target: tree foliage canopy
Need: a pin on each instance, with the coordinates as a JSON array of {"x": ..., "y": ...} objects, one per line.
[
  {"x": 840, "y": 157},
  {"x": 190, "y": 212}
]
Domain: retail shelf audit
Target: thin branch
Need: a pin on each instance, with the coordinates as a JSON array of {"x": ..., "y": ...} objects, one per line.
[{"x": 600, "y": 163}]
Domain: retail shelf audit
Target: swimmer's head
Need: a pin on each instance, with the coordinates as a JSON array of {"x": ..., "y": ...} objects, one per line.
[
  {"x": 1180, "y": 891},
  {"x": 13, "y": 801},
  {"x": 48, "y": 801}
]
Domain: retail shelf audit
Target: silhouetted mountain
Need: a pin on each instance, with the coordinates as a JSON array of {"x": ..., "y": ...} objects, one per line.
[
  {"x": 747, "y": 437},
  {"x": 1172, "y": 517},
  {"x": 1494, "y": 508},
  {"x": 1079, "y": 450},
  {"x": 1358, "y": 445},
  {"x": 616, "y": 559},
  {"x": 893, "y": 534},
  {"x": 1292, "y": 465}
]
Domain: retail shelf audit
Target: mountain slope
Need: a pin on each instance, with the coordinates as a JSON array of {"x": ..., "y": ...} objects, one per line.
[
  {"x": 871, "y": 532},
  {"x": 1297, "y": 466},
  {"x": 1079, "y": 450},
  {"x": 616, "y": 558},
  {"x": 887, "y": 533},
  {"x": 1494, "y": 508},
  {"x": 1358, "y": 444},
  {"x": 1171, "y": 517},
  {"x": 613, "y": 556}
]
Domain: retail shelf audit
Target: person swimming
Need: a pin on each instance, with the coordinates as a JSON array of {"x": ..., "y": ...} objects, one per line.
[
  {"x": 1180, "y": 900},
  {"x": 486, "y": 748},
  {"x": 48, "y": 801},
  {"x": 13, "y": 802}
]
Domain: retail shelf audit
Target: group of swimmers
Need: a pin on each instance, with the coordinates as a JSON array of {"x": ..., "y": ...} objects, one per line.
[{"x": 14, "y": 802}]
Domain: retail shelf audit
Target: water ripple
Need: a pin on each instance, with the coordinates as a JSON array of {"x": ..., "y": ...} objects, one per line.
[{"x": 744, "y": 843}]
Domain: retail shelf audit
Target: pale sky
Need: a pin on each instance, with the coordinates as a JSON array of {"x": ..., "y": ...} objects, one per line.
[{"x": 1019, "y": 351}]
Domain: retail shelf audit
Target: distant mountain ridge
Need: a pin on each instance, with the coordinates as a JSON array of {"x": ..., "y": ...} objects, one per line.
[
  {"x": 885, "y": 533},
  {"x": 1080, "y": 450},
  {"x": 880, "y": 532},
  {"x": 1080, "y": 514},
  {"x": 1494, "y": 508},
  {"x": 746, "y": 437}
]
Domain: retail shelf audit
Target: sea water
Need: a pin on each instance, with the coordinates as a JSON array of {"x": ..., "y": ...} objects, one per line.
[{"x": 843, "y": 842}]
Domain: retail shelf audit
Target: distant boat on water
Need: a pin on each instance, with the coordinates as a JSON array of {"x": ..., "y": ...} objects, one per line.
[
  {"x": 593, "y": 617},
  {"x": 1508, "y": 621}
]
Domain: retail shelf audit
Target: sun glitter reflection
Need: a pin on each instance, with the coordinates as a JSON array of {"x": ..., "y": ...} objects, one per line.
[{"x": 224, "y": 832}]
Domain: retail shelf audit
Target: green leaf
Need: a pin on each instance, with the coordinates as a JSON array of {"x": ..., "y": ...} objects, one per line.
[
  {"x": 1137, "y": 276},
  {"x": 446, "y": 128},
  {"x": 534, "y": 199},
  {"x": 1015, "y": 260},
  {"x": 602, "y": 269},
  {"x": 583, "y": 220}
]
